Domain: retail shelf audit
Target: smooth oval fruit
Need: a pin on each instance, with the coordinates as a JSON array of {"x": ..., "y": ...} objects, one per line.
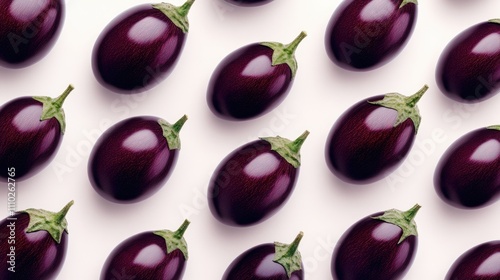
[
  {"x": 268, "y": 261},
  {"x": 140, "y": 47},
  {"x": 31, "y": 131},
  {"x": 366, "y": 34},
  {"x": 254, "y": 181},
  {"x": 481, "y": 262},
  {"x": 468, "y": 173},
  {"x": 41, "y": 241},
  {"x": 381, "y": 246},
  {"x": 159, "y": 255},
  {"x": 28, "y": 30},
  {"x": 252, "y": 80},
  {"x": 468, "y": 69},
  {"x": 134, "y": 158},
  {"x": 248, "y": 3},
  {"x": 372, "y": 138}
]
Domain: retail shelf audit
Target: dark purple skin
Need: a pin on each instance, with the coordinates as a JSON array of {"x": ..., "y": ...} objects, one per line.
[
  {"x": 360, "y": 154},
  {"x": 257, "y": 264},
  {"x": 467, "y": 175},
  {"x": 478, "y": 263},
  {"x": 138, "y": 49},
  {"x": 37, "y": 254},
  {"x": 28, "y": 30},
  {"x": 468, "y": 69},
  {"x": 250, "y": 185},
  {"x": 248, "y": 3},
  {"x": 27, "y": 143},
  {"x": 131, "y": 160},
  {"x": 155, "y": 262},
  {"x": 247, "y": 83},
  {"x": 369, "y": 249},
  {"x": 360, "y": 36}
]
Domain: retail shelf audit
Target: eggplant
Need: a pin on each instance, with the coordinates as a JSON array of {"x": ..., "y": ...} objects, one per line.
[
  {"x": 140, "y": 47},
  {"x": 481, "y": 262},
  {"x": 254, "y": 181},
  {"x": 33, "y": 243},
  {"x": 31, "y": 131},
  {"x": 468, "y": 173},
  {"x": 268, "y": 261},
  {"x": 159, "y": 255},
  {"x": 468, "y": 69},
  {"x": 366, "y": 34},
  {"x": 248, "y": 3},
  {"x": 373, "y": 137},
  {"x": 134, "y": 158},
  {"x": 28, "y": 30},
  {"x": 381, "y": 246},
  {"x": 253, "y": 80}
]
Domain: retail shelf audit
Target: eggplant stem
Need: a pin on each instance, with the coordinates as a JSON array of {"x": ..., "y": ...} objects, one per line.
[
  {"x": 412, "y": 100},
  {"x": 60, "y": 99},
  {"x": 178, "y": 124},
  {"x": 182, "y": 229},
  {"x": 294, "y": 245},
  {"x": 184, "y": 9},
  {"x": 62, "y": 214},
  {"x": 290, "y": 48},
  {"x": 297, "y": 143},
  {"x": 410, "y": 214}
]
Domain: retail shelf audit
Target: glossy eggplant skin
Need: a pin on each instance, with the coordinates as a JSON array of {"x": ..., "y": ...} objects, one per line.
[
  {"x": 478, "y": 263},
  {"x": 369, "y": 249},
  {"x": 364, "y": 146},
  {"x": 131, "y": 160},
  {"x": 257, "y": 264},
  {"x": 28, "y": 30},
  {"x": 468, "y": 69},
  {"x": 37, "y": 255},
  {"x": 245, "y": 84},
  {"x": 250, "y": 184},
  {"x": 366, "y": 34},
  {"x": 467, "y": 175},
  {"x": 137, "y": 50},
  {"x": 26, "y": 143},
  {"x": 248, "y": 3},
  {"x": 144, "y": 256}
]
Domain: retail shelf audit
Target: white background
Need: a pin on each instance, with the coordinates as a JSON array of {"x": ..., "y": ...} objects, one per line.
[{"x": 321, "y": 206}]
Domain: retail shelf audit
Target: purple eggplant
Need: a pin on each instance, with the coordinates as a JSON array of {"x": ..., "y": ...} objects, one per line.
[
  {"x": 373, "y": 137},
  {"x": 31, "y": 131},
  {"x": 468, "y": 69},
  {"x": 159, "y": 255},
  {"x": 366, "y": 34},
  {"x": 381, "y": 246},
  {"x": 33, "y": 244},
  {"x": 140, "y": 47},
  {"x": 254, "y": 181},
  {"x": 248, "y": 3},
  {"x": 468, "y": 173},
  {"x": 133, "y": 159},
  {"x": 481, "y": 262},
  {"x": 268, "y": 261},
  {"x": 28, "y": 30},
  {"x": 252, "y": 80}
]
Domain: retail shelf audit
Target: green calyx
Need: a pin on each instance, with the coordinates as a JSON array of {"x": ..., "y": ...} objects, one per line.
[
  {"x": 496, "y": 127},
  {"x": 285, "y": 53},
  {"x": 174, "y": 239},
  {"x": 406, "y": 106},
  {"x": 404, "y": 220},
  {"x": 53, "y": 223},
  {"x": 407, "y": 2},
  {"x": 171, "y": 132},
  {"x": 288, "y": 255},
  {"x": 52, "y": 107},
  {"x": 495, "y": 20},
  {"x": 177, "y": 14},
  {"x": 289, "y": 150}
]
